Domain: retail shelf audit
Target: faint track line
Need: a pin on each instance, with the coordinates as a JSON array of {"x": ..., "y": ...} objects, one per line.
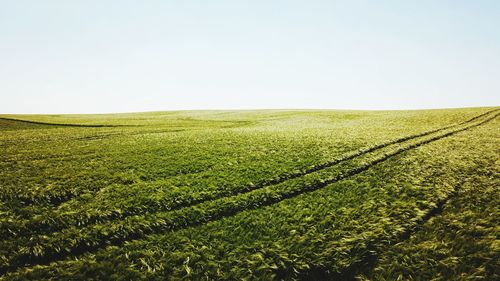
[{"x": 63, "y": 124}]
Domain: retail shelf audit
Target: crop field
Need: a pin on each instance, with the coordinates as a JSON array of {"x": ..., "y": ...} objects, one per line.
[{"x": 251, "y": 195}]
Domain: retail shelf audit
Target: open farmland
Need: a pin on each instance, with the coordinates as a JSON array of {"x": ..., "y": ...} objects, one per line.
[{"x": 257, "y": 195}]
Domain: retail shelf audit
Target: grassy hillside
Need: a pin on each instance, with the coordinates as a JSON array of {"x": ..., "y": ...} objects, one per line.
[{"x": 258, "y": 195}]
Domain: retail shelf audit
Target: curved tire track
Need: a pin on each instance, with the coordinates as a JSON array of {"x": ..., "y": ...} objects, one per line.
[
  {"x": 62, "y": 124},
  {"x": 202, "y": 213},
  {"x": 59, "y": 223}
]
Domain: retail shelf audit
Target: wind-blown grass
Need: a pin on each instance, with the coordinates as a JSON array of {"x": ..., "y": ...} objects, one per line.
[{"x": 235, "y": 195}]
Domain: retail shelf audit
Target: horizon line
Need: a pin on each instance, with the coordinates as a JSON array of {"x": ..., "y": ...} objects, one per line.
[{"x": 255, "y": 109}]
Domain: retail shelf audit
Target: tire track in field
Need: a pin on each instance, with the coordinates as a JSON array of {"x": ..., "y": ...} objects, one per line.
[
  {"x": 56, "y": 201},
  {"x": 367, "y": 262},
  {"x": 182, "y": 202},
  {"x": 195, "y": 215},
  {"x": 479, "y": 116},
  {"x": 62, "y": 124}
]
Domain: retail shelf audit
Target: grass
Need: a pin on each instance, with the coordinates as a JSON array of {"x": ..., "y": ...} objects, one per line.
[{"x": 259, "y": 195}]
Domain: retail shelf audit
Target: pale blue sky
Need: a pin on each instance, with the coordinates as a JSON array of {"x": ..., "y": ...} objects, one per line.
[{"x": 118, "y": 56}]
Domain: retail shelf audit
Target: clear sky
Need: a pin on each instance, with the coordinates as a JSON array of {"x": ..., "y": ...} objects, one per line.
[{"x": 86, "y": 56}]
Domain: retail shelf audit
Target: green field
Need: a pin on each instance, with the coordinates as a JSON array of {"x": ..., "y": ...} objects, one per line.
[{"x": 251, "y": 195}]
